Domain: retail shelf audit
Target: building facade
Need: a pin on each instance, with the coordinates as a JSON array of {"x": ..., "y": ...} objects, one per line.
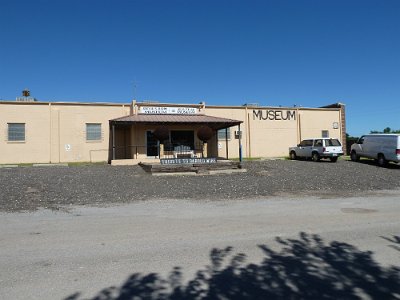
[{"x": 57, "y": 132}]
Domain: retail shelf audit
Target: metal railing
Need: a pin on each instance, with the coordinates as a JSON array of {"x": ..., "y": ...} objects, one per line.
[
  {"x": 182, "y": 151},
  {"x": 129, "y": 151},
  {"x": 167, "y": 151}
]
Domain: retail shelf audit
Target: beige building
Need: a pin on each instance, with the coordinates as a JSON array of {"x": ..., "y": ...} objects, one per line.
[{"x": 42, "y": 132}]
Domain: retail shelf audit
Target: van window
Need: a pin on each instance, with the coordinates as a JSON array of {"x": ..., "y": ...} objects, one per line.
[
  {"x": 332, "y": 142},
  {"x": 360, "y": 140}
]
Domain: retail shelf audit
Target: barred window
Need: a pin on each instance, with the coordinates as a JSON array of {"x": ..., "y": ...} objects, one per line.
[
  {"x": 224, "y": 134},
  {"x": 325, "y": 133},
  {"x": 16, "y": 132},
  {"x": 93, "y": 131}
]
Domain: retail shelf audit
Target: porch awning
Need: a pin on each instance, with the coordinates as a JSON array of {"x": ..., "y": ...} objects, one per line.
[{"x": 213, "y": 122}]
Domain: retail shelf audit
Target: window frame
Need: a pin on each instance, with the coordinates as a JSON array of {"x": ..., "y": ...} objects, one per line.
[
  {"x": 16, "y": 139},
  {"x": 327, "y": 134},
  {"x": 221, "y": 136},
  {"x": 99, "y": 134}
]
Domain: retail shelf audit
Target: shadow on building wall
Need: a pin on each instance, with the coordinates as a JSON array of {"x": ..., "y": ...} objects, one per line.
[{"x": 305, "y": 268}]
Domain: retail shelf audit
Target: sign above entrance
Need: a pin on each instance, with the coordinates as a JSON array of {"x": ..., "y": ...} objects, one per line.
[{"x": 161, "y": 110}]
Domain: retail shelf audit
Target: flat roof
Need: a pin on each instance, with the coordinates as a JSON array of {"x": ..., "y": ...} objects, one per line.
[{"x": 335, "y": 106}]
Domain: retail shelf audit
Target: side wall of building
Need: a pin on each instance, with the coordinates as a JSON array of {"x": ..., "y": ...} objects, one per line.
[
  {"x": 269, "y": 132},
  {"x": 36, "y": 146},
  {"x": 56, "y": 132},
  {"x": 313, "y": 122}
]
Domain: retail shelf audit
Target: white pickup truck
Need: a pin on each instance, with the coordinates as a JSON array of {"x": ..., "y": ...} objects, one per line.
[{"x": 317, "y": 148}]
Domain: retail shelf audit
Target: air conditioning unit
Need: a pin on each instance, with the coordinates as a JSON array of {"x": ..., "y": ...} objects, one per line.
[
  {"x": 238, "y": 134},
  {"x": 25, "y": 99}
]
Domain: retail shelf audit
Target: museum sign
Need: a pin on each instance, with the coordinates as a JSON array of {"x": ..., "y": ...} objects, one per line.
[{"x": 274, "y": 115}]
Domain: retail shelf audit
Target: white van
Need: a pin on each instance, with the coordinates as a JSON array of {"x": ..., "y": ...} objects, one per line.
[{"x": 382, "y": 147}]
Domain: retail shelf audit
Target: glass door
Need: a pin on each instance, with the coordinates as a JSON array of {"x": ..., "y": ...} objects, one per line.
[{"x": 151, "y": 144}]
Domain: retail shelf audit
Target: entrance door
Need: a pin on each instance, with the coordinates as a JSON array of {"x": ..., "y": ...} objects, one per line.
[{"x": 151, "y": 144}]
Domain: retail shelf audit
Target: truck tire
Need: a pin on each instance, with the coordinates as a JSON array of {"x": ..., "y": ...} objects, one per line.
[
  {"x": 381, "y": 160},
  {"x": 354, "y": 156},
  {"x": 292, "y": 155},
  {"x": 333, "y": 159}
]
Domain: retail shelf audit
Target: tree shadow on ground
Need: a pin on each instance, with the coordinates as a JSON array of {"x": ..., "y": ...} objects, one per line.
[
  {"x": 304, "y": 268},
  {"x": 395, "y": 240}
]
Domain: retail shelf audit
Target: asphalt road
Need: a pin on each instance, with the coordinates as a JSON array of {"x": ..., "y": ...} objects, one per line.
[{"x": 54, "y": 255}]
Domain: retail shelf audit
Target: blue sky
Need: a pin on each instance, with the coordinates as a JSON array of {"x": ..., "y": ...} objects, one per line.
[{"x": 308, "y": 53}]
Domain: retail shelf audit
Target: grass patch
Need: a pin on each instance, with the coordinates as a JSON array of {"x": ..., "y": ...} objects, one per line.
[
  {"x": 17, "y": 165},
  {"x": 247, "y": 159},
  {"x": 87, "y": 163},
  {"x": 70, "y": 164}
]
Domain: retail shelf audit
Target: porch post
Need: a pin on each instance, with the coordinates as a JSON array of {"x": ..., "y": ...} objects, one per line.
[
  {"x": 113, "y": 140},
  {"x": 217, "y": 141},
  {"x": 240, "y": 145},
  {"x": 226, "y": 143},
  {"x": 161, "y": 150}
]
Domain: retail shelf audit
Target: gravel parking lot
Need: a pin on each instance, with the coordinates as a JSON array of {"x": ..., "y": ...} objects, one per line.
[{"x": 31, "y": 188}]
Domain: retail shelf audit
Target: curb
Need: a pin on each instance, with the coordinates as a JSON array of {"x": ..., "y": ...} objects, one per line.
[{"x": 51, "y": 165}]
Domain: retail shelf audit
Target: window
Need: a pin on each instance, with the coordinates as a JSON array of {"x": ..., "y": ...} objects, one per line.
[
  {"x": 318, "y": 143},
  {"x": 325, "y": 133},
  {"x": 16, "y": 132},
  {"x": 332, "y": 142},
  {"x": 306, "y": 143},
  {"x": 222, "y": 136},
  {"x": 93, "y": 131}
]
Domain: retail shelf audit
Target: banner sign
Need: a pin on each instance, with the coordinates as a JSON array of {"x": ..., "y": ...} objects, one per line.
[
  {"x": 182, "y": 161},
  {"x": 161, "y": 110}
]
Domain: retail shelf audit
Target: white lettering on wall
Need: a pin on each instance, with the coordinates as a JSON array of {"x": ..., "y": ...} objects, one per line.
[{"x": 159, "y": 110}]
